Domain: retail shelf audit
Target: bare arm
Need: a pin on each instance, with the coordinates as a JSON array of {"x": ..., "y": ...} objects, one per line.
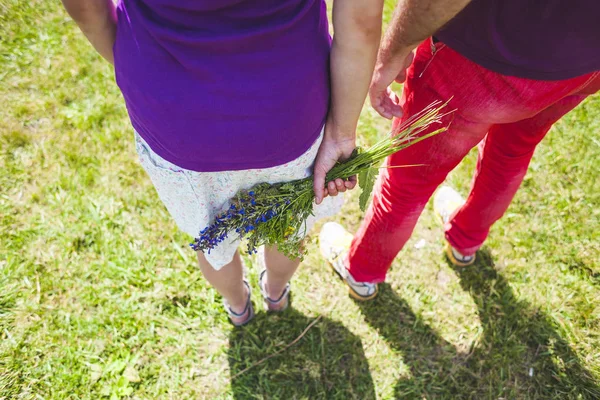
[
  {"x": 97, "y": 19},
  {"x": 357, "y": 33},
  {"x": 413, "y": 22}
]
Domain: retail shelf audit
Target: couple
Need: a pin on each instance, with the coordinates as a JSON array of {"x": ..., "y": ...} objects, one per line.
[{"x": 227, "y": 94}]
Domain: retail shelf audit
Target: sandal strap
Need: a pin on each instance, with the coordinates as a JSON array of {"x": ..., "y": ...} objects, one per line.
[
  {"x": 263, "y": 290},
  {"x": 248, "y": 303}
]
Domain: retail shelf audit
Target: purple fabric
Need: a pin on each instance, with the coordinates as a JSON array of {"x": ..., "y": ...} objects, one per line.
[
  {"x": 535, "y": 39},
  {"x": 215, "y": 85}
]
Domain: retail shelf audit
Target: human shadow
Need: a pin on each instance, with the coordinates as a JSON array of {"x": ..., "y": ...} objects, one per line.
[
  {"x": 519, "y": 353},
  {"x": 327, "y": 363}
]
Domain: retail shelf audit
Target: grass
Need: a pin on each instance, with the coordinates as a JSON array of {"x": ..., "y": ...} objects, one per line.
[{"x": 100, "y": 297}]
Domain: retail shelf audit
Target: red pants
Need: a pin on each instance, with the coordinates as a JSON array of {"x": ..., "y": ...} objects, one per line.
[{"x": 506, "y": 116}]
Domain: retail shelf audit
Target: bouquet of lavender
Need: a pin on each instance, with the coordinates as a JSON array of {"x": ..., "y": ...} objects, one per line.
[{"x": 276, "y": 214}]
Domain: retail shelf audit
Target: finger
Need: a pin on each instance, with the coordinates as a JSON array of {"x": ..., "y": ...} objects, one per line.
[
  {"x": 381, "y": 110},
  {"x": 396, "y": 109},
  {"x": 377, "y": 95},
  {"x": 392, "y": 104},
  {"x": 351, "y": 183},
  {"x": 384, "y": 106},
  {"x": 340, "y": 186},
  {"x": 318, "y": 184},
  {"x": 331, "y": 188},
  {"x": 324, "y": 194}
]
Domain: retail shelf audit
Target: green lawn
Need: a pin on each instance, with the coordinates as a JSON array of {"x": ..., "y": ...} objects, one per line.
[{"x": 100, "y": 295}]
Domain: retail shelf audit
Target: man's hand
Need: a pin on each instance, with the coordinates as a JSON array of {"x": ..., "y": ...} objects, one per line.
[
  {"x": 330, "y": 152},
  {"x": 413, "y": 21},
  {"x": 383, "y": 99}
]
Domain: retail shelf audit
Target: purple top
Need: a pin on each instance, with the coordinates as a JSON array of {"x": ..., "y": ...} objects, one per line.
[
  {"x": 535, "y": 39},
  {"x": 215, "y": 85}
]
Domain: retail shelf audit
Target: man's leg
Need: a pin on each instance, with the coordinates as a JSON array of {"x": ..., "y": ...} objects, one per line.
[
  {"x": 401, "y": 194},
  {"x": 482, "y": 99},
  {"x": 504, "y": 157}
]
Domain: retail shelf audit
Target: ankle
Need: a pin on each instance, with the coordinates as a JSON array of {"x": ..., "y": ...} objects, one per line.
[
  {"x": 274, "y": 293},
  {"x": 240, "y": 306},
  {"x": 238, "y": 309},
  {"x": 276, "y": 300}
]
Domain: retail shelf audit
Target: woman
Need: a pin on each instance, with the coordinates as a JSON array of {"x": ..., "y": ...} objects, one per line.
[{"x": 230, "y": 93}]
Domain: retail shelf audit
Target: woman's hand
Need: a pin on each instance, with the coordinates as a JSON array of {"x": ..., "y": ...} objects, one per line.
[
  {"x": 357, "y": 32},
  {"x": 334, "y": 147}
]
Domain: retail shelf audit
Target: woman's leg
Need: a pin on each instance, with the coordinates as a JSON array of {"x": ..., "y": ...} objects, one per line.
[
  {"x": 279, "y": 272},
  {"x": 229, "y": 282}
]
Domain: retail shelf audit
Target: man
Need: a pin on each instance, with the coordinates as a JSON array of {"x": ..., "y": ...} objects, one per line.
[{"x": 511, "y": 69}]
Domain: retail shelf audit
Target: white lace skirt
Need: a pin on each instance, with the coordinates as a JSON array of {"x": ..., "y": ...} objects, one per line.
[{"x": 195, "y": 198}]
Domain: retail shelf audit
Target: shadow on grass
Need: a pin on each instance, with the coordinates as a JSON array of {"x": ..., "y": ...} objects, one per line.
[
  {"x": 327, "y": 363},
  {"x": 519, "y": 353}
]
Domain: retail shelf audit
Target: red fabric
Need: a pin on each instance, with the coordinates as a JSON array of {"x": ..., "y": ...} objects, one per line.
[{"x": 506, "y": 116}]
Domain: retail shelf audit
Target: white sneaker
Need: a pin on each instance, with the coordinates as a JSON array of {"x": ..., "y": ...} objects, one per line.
[
  {"x": 334, "y": 242},
  {"x": 445, "y": 202}
]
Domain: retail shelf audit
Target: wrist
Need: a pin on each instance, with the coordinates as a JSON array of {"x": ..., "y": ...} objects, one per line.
[
  {"x": 339, "y": 132},
  {"x": 392, "y": 59}
]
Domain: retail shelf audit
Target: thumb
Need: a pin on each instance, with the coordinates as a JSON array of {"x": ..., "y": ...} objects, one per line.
[
  {"x": 377, "y": 96},
  {"x": 379, "y": 93},
  {"x": 319, "y": 181}
]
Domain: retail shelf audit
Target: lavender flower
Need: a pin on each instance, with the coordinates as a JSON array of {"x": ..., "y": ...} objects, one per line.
[{"x": 276, "y": 214}]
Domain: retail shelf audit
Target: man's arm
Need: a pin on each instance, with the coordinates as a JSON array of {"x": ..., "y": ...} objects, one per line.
[
  {"x": 97, "y": 19},
  {"x": 357, "y": 33},
  {"x": 413, "y": 22}
]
